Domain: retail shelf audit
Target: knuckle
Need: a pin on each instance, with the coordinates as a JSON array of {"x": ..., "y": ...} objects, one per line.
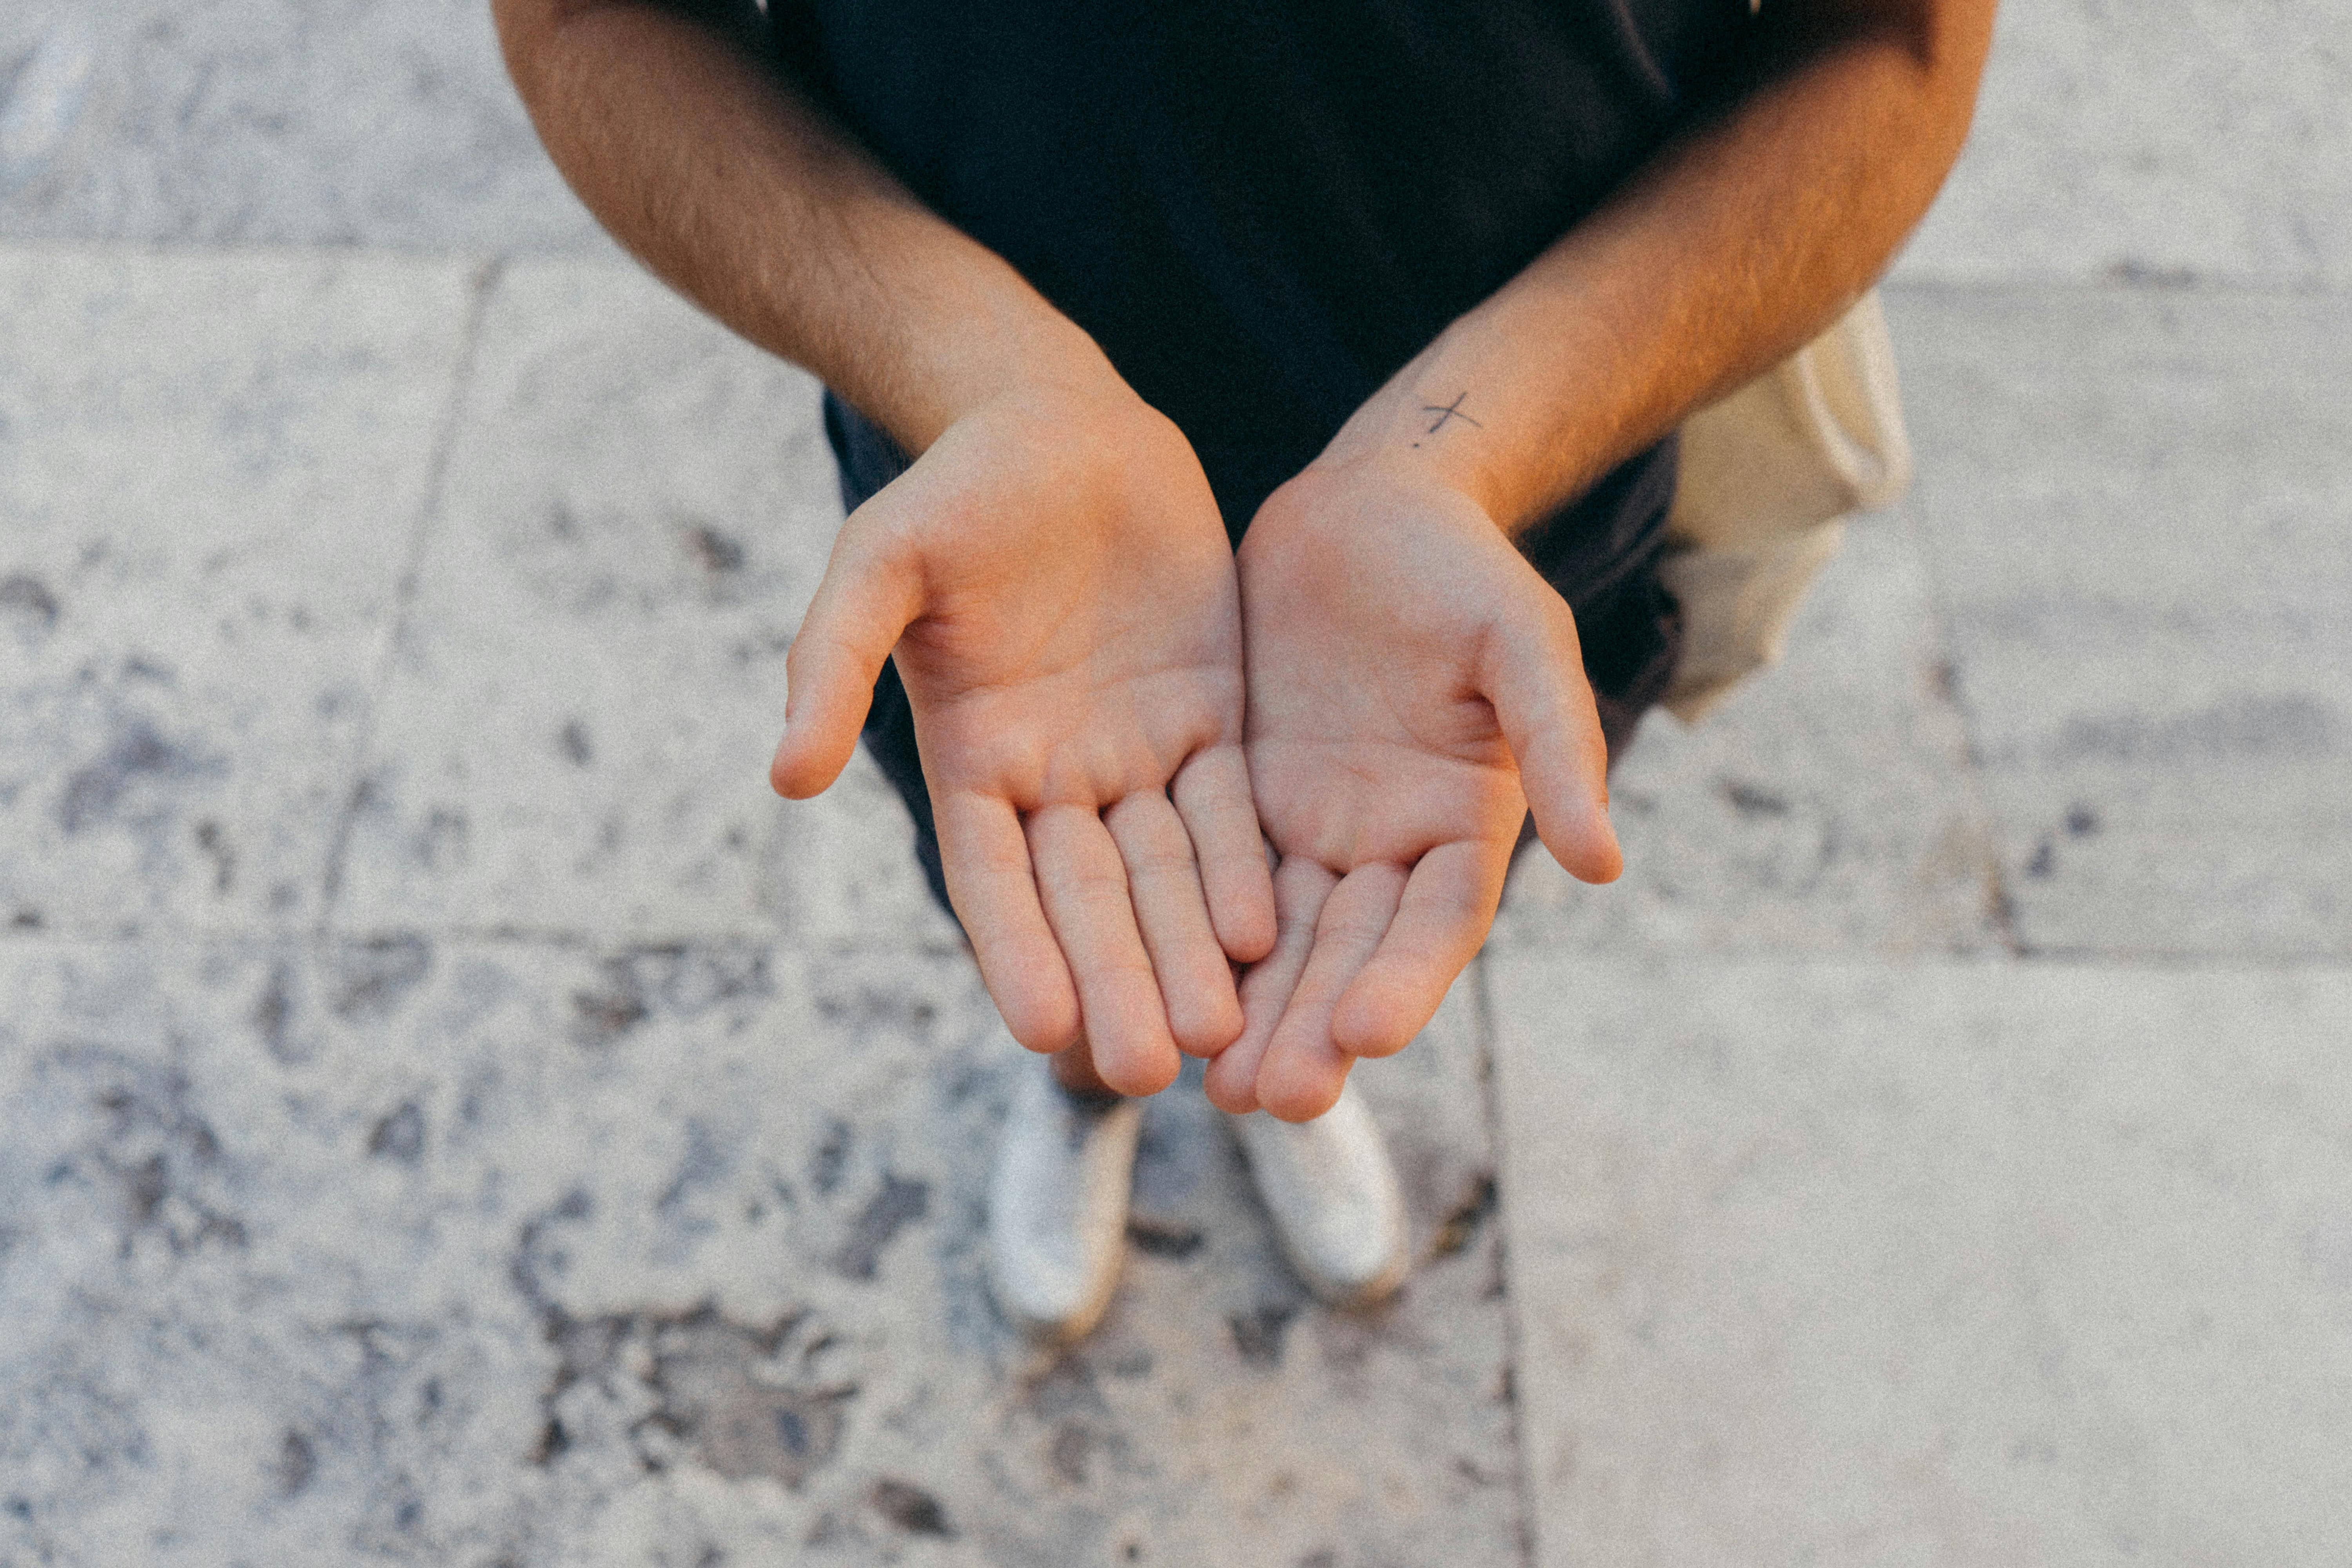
[
  {"x": 1158, "y": 861},
  {"x": 1206, "y": 1029}
]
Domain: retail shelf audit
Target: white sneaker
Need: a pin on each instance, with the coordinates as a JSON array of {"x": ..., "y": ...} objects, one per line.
[
  {"x": 1057, "y": 1204},
  {"x": 1334, "y": 1198}
]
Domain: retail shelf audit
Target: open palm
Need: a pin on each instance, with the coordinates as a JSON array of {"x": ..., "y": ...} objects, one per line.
[
  {"x": 1056, "y": 586},
  {"x": 1415, "y": 688}
]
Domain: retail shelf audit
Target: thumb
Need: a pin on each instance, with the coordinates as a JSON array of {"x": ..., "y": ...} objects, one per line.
[
  {"x": 1534, "y": 675},
  {"x": 872, "y": 590}
]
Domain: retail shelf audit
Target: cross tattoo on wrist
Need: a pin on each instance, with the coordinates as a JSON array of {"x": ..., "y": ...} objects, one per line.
[{"x": 1445, "y": 412}]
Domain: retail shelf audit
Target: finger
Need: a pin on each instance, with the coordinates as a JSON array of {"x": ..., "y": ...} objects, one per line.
[
  {"x": 1534, "y": 675},
  {"x": 1448, "y": 906},
  {"x": 986, "y": 859},
  {"x": 1300, "y": 887},
  {"x": 1304, "y": 1069},
  {"x": 1086, "y": 902},
  {"x": 1213, "y": 795},
  {"x": 872, "y": 589},
  {"x": 1164, "y": 885}
]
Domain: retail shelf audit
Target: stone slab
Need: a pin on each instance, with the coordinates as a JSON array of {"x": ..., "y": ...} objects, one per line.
[
  {"x": 2135, "y": 505},
  {"x": 210, "y": 471},
  {"x": 1835, "y": 1264},
  {"x": 387, "y": 124},
  {"x": 2208, "y": 140},
  {"x": 443, "y": 1251},
  {"x": 576, "y": 732},
  {"x": 1824, "y": 807}
]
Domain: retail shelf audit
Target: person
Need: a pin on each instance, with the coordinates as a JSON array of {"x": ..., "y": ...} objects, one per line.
[{"x": 1256, "y": 425}]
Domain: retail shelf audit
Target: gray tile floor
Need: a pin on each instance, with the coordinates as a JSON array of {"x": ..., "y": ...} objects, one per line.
[
  {"x": 1839, "y": 1262},
  {"x": 451, "y": 1114}
]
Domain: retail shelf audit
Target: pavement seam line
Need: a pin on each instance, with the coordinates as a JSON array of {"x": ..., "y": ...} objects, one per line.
[
  {"x": 479, "y": 288},
  {"x": 1482, "y": 997}
]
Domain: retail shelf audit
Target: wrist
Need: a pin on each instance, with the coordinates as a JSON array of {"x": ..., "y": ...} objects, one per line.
[
  {"x": 1003, "y": 352},
  {"x": 1064, "y": 424},
  {"x": 1470, "y": 412},
  {"x": 1432, "y": 425},
  {"x": 1354, "y": 502}
]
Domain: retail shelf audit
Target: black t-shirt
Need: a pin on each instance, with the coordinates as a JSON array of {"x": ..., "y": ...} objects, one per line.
[{"x": 1261, "y": 211}]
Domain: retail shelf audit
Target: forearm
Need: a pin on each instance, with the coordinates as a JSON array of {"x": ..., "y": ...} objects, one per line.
[
  {"x": 738, "y": 192},
  {"x": 1739, "y": 243}
]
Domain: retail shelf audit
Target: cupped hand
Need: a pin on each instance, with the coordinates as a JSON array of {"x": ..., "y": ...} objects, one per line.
[
  {"x": 1415, "y": 689},
  {"x": 1055, "y": 582}
]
